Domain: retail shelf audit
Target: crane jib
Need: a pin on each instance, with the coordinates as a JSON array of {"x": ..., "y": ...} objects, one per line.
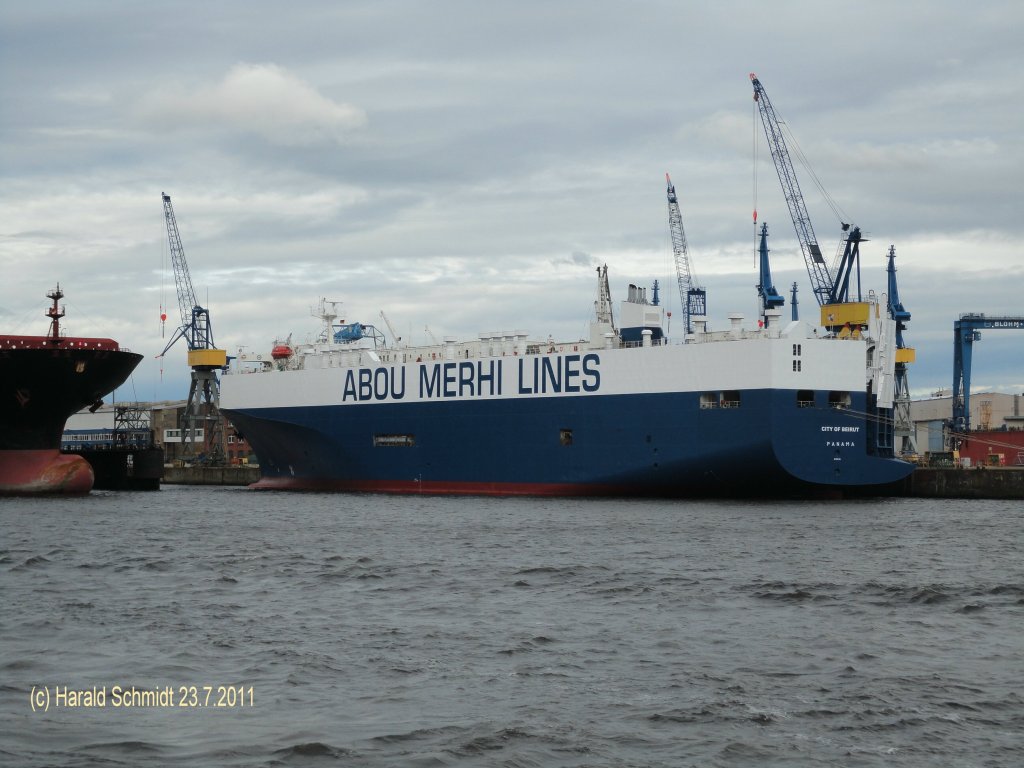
[
  {"x": 824, "y": 285},
  {"x": 195, "y": 325},
  {"x": 692, "y": 296}
]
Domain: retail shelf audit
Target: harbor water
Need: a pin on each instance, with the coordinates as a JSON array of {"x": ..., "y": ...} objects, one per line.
[{"x": 221, "y": 626}]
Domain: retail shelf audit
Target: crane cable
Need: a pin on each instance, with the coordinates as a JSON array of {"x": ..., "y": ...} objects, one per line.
[{"x": 837, "y": 211}]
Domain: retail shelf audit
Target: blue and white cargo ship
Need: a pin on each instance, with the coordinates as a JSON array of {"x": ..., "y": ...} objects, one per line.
[{"x": 787, "y": 408}]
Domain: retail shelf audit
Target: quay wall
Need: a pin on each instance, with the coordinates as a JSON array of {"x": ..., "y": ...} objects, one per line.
[
  {"x": 924, "y": 482},
  {"x": 211, "y": 475},
  {"x": 977, "y": 483}
]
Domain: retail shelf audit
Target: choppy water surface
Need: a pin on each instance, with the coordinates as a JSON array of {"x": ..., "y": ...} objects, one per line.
[{"x": 405, "y": 631}]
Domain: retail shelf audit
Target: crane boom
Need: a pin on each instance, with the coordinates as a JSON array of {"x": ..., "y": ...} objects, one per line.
[
  {"x": 195, "y": 325},
  {"x": 203, "y": 404},
  {"x": 817, "y": 270},
  {"x": 396, "y": 340},
  {"x": 693, "y": 298},
  {"x": 603, "y": 304},
  {"x": 182, "y": 278}
]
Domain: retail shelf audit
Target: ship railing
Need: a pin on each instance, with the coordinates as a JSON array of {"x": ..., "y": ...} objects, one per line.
[
  {"x": 715, "y": 336},
  {"x": 429, "y": 354},
  {"x": 654, "y": 343}
]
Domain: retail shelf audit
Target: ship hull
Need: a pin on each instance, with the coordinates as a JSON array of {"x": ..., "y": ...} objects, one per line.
[
  {"x": 610, "y": 439},
  {"x": 34, "y": 472},
  {"x": 40, "y": 387}
]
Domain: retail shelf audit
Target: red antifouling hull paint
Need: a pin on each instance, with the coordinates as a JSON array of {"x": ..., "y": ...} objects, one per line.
[{"x": 44, "y": 471}]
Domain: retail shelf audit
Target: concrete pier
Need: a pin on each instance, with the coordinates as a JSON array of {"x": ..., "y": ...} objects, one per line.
[
  {"x": 976, "y": 483},
  {"x": 925, "y": 482},
  {"x": 211, "y": 475}
]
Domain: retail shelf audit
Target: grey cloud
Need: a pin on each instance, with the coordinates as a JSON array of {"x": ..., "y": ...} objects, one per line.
[{"x": 470, "y": 161}]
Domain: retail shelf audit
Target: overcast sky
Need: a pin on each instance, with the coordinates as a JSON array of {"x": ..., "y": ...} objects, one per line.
[{"x": 466, "y": 165}]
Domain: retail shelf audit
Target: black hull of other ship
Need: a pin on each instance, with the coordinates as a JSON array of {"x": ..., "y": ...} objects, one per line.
[{"x": 124, "y": 468}]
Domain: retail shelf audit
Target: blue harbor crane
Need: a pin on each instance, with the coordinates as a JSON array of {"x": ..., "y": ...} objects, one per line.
[
  {"x": 770, "y": 298},
  {"x": 693, "y": 297},
  {"x": 830, "y": 286},
  {"x": 842, "y": 312},
  {"x": 966, "y": 331},
  {"x": 903, "y": 427},
  {"x": 204, "y": 358}
]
